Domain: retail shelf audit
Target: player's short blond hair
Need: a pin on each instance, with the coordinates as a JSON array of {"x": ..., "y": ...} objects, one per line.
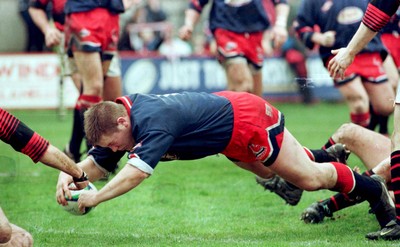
[{"x": 101, "y": 119}]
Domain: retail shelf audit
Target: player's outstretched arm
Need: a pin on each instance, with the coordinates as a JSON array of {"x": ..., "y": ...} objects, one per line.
[{"x": 128, "y": 178}]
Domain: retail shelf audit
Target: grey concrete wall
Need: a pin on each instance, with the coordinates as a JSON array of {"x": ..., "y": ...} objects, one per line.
[{"x": 12, "y": 27}]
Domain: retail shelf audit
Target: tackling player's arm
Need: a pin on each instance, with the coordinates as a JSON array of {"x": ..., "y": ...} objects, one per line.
[{"x": 23, "y": 139}]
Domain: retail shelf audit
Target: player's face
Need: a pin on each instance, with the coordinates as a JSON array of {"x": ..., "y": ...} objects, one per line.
[{"x": 120, "y": 140}]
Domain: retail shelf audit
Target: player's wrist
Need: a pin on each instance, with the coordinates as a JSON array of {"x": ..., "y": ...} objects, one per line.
[
  {"x": 82, "y": 178},
  {"x": 281, "y": 22}
]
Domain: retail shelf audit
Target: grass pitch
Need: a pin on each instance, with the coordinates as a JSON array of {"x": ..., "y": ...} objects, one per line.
[{"x": 207, "y": 202}]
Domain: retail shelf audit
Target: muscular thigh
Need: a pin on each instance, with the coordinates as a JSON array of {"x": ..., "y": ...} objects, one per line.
[
  {"x": 294, "y": 165},
  {"x": 353, "y": 90}
]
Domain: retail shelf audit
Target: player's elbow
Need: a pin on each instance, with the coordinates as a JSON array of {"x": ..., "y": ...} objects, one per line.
[{"x": 142, "y": 175}]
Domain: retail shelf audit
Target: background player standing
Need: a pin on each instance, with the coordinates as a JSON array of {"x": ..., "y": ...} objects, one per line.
[{"x": 238, "y": 35}]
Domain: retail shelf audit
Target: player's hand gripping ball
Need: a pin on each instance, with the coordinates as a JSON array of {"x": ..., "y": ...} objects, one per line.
[{"x": 72, "y": 206}]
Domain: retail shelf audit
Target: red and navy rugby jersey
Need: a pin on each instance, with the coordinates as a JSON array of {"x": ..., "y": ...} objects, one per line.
[
  {"x": 174, "y": 126},
  {"x": 74, "y": 6},
  {"x": 342, "y": 16},
  {"x": 243, "y": 16}
]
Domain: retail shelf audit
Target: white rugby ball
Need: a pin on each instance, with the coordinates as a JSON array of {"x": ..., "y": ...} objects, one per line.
[{"x": 72, "y": 206}]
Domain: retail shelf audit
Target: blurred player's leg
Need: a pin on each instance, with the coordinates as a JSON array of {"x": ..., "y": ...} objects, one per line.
[
  {"x": 242, "y": 57},
  {"x": 112, "y": 88},
  {"x": 238, "y": 75},
  {"x": 257, "y": 82},
  {"x": 297, "y": 62},
  {"x": 357, "y": 100}
]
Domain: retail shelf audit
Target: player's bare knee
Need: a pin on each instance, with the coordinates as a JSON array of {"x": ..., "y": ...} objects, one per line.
[
  {"x": 357, "y": 103},
  {"x": 383, "y": 170},
  {"x": 344, "y": 131},
  {"x": 93, "y": 88},
  {"x": 5, "y": 232},
  {"x": 384, "y": 110}
]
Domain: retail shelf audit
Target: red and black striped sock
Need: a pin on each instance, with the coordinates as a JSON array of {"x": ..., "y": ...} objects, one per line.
[
  {"x": 77, "y": 135},
  {"x": 85, "y": 102},
  {"x": 395, "y": 181},
  {"x": 368, "y": 173},
  {"x": 329, "y": 143},
  {"x": 340, "y": 201}
]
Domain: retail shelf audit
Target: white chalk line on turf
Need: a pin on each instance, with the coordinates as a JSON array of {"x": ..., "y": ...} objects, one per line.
[{"x": 167, "y": 236}]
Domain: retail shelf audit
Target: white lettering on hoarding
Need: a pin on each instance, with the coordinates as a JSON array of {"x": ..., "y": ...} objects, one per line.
[
  {"x": 179, "y": 75},
  {"x": 214, "y": 75},
  {"x": 141, "y": 77},
  {"x": 32, "y": 81}
]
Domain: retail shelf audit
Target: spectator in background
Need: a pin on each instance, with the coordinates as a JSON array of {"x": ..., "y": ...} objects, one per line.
[
  {"x": 148, "y": 11},
  {"x": 238, "y": 36},
  {"x": 173, "y": 47},
  {"x": 35, "y": 38}
]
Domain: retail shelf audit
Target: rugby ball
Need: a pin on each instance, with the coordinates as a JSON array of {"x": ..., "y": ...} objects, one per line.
[{"x": 72, "y": 206}]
